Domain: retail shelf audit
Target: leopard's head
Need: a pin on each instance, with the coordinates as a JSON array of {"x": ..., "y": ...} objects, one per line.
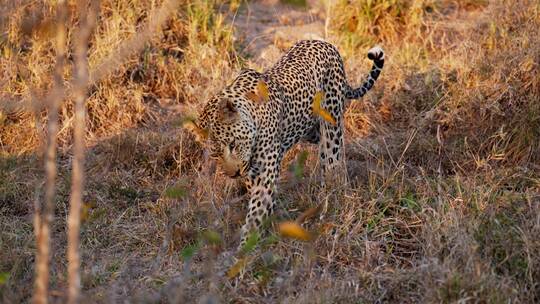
[{"x": 230, "y": 134}]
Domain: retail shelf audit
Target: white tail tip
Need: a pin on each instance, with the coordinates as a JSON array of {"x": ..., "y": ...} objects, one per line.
[{"x": 376, "y": 52}]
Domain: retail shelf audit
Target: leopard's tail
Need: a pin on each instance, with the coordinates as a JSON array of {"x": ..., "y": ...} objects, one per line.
[{"x": 375, "y": 54}]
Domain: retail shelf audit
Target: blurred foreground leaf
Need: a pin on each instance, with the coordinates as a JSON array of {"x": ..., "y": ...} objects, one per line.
[
  {"x": 237, "y": 267},
  {"x": 262, "y": 93},
  {"x": 85, "y": 211},
  {"x": 189, "y": 123},
  {"x": 318, "y": 110},
  {"x": 262, "y": 90},
  {"x": 309, "y": 213},
  {"x": 295, "y": 231}
]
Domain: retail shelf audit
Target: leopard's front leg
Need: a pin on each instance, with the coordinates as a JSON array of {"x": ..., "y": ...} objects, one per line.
[{"x": 261, "y": 203}]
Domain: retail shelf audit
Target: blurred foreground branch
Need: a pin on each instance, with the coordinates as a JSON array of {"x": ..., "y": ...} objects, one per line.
[
  {"x": 87, "y": 23},
  {"x": 44, "y": 214},
  {"x": 81, "y": 80}
]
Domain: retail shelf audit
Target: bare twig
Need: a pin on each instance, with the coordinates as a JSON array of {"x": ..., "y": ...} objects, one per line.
[
  {"x": 44, "y": 214},
  {"x": 87, "y": 22},
  {"x": 329, "y": 4}
]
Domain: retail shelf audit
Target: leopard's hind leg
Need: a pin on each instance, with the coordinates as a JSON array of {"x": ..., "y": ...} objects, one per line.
[{"x": 332, "y": 139}]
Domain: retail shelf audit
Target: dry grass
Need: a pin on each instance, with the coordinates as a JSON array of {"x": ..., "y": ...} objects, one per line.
[{"x": 443, "y": 161}]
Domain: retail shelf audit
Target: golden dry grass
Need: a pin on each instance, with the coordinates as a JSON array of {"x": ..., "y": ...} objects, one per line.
[{"x": 443, "y": 159}]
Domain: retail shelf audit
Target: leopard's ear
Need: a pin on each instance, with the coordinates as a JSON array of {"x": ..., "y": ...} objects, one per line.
[
  {"x": 227, "y": 112},
  {"x": 200, "y": 134}
]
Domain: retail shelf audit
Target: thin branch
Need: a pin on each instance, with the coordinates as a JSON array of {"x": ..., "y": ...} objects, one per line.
[
  {"x": 329, "y": 4},
  {"x": 87, "y": 23},
  {"x": 44, "y": 214}
]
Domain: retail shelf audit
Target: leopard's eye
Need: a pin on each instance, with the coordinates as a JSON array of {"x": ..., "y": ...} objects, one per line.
[{"x": 232, "y": 145}]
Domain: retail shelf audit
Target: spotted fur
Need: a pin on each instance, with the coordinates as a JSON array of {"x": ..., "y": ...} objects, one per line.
[{"x": 251, "y": 138}]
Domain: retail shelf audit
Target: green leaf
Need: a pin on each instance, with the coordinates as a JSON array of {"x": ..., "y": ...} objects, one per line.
[
  {"x": 4, "y": 277},
  {"x": 251, "y": 242},
  {"x": 298, "y": 166},
  {"x": 212, "y": 237},
  {"x": 299, "y": 3},
  {"x": 176, "y": 192},
  {"x": 271, "y": 239},
  {"x": 410, "y": 202},
  {"x": 189, "y": 251}
]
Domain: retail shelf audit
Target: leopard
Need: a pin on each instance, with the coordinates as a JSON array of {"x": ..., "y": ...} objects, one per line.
[{"x": 249, "y": 137}]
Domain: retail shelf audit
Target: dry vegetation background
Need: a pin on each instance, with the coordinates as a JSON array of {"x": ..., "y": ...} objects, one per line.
[{"x": 443, "y": 155}]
